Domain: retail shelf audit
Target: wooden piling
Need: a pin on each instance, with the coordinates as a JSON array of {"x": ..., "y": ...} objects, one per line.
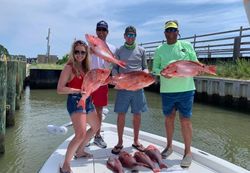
[
  {"x": 23, "y": 73},
  {"x": 3, "y": 93},
  {"x": 18, "y": 84},
  {"x": 11, "y": 92}
]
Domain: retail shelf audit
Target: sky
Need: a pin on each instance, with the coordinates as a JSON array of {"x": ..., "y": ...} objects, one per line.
[{"x": 24, "y": 23}]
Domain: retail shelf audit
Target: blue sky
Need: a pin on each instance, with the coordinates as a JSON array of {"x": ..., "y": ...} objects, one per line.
[{"x": 24, "y": 24}]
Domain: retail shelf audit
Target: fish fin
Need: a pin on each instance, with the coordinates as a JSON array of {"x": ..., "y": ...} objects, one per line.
[
  {"x": 143, "y": 164},
  {"x": 122, "y": 64}
]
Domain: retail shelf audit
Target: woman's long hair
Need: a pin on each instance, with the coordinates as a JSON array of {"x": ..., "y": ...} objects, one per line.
[{"x": 85, "y": 63}]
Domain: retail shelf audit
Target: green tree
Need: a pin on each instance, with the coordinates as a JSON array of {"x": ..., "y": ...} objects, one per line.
[
  {"x": 4, "y": 51},
  {"x": 63, "y": 60}
]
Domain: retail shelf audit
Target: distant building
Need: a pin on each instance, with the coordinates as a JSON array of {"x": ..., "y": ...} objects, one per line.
[
  {"x": 31, "y": 60},
  {"x": 43, "y": 59}
]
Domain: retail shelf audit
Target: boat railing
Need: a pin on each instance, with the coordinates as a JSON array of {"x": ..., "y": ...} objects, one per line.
[{"x": 225, "y": 45}]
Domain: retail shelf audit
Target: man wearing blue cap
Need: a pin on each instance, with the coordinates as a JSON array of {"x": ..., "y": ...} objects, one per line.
[
  {"x": 100, "y": 96},
  {"x": 177, "y": 92}
]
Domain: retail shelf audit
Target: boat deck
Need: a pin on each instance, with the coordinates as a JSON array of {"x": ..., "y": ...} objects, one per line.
[{"x": 202, "y": 162}]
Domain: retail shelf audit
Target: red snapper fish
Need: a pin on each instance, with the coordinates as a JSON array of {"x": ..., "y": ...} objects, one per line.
[
  {"x": 143, "y": 158},
  {"x": 155, "y": 155},
  {"x": 128, "y": 160},
  {"x": 184, "y": 68},
  {"x": 101, "y": 49},
  {"x": 132, "y": 81},
  {"x": 92, "y": 81},
  {"x": 115, "y": 165}
]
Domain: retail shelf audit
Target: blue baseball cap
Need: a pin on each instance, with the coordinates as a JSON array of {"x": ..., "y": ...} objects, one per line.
[{"x": 102, "y": 24}]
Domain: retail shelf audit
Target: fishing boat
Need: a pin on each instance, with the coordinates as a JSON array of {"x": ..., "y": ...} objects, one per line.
[{"x": 203, "y": 162}]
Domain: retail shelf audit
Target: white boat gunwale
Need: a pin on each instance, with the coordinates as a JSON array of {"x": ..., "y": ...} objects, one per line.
[{"x": 203, "y": 158}]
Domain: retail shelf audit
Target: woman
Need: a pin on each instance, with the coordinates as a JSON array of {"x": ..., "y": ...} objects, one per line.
[{"x": 70, "y": 82}]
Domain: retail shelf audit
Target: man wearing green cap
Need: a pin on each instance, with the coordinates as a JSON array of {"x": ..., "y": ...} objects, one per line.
[
  {"x": 135, "y": 58},
  {"x": 177, "y": 92}
]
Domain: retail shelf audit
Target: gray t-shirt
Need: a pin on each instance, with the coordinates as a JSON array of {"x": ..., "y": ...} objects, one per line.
[{"x": 135, "y": 59}]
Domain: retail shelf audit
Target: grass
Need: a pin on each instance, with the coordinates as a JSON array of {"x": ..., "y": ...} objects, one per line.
[
  {"x": 235, "y": 70},
  {"x": 46, "y": 66}
]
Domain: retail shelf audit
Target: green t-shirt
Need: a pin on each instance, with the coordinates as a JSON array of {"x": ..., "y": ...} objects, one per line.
[{"x": 168, "y": 53}]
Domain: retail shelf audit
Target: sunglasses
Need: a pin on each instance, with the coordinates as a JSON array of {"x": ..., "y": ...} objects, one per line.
[
  {"x": 77, "y": 52},
  {"x": 102, "y": 29},
  {"x": 171, "y": 30},
  {"x": 131, "y": 35}
]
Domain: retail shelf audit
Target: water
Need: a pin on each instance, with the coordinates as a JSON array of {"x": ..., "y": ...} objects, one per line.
[{"x": 217, "y": 131}]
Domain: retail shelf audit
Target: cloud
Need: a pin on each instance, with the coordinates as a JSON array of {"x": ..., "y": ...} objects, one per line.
[
  {"x": 24, "y": 24},
  {"x": 206, "y": 2}
]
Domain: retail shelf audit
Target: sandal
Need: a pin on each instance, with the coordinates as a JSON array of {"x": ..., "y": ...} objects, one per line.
[
  {"x": 85, "y": 155},
  {"x": 116, "y": 149},
  {"x": 139, "y": 147},
  {"x": 61, "y": 171}
]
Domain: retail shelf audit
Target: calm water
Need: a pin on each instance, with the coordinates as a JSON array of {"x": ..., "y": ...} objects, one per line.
[{"x": 218, "y": 131}]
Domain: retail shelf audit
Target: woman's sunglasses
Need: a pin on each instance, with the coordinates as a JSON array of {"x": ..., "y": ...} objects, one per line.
[{"x": 77, "y": 52}]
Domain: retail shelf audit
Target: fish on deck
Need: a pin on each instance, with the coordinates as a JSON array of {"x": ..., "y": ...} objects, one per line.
[
  {"x": 127, "y": 160},
  {"x": 115, "y": 165},
  {"x": 145, "y": 159},
  {"x": 155, "y": 155}
]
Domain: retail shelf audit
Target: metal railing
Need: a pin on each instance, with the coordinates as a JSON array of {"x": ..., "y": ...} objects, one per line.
[{"x": 219, "y": 45}]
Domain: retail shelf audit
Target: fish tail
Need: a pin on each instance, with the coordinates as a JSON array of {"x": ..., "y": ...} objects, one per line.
[
  {"x": 82, "y": 102},
  {"x": 156, "y": 170},
  {"x": 108, "y": 81},
  {"x": 163, "y": 165},
  {"x": 211, "y": 69}
]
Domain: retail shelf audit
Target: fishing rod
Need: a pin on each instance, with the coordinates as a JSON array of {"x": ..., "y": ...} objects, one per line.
[{"x": 63, "y": 129}]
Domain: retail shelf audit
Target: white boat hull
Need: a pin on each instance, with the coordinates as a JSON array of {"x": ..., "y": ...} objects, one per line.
[{"x": 202, "y": 161}]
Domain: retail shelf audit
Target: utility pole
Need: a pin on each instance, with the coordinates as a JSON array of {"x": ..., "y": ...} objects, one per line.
[{"x": 48, "y": 46}]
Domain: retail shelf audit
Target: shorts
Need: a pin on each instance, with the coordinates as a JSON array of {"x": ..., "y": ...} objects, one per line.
[
  {"x": 72, "y": 102},
  {"x": 135, "y": 99},
  {"x": 100, "y": 96},
  {"x": 181, "y": 101}
]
